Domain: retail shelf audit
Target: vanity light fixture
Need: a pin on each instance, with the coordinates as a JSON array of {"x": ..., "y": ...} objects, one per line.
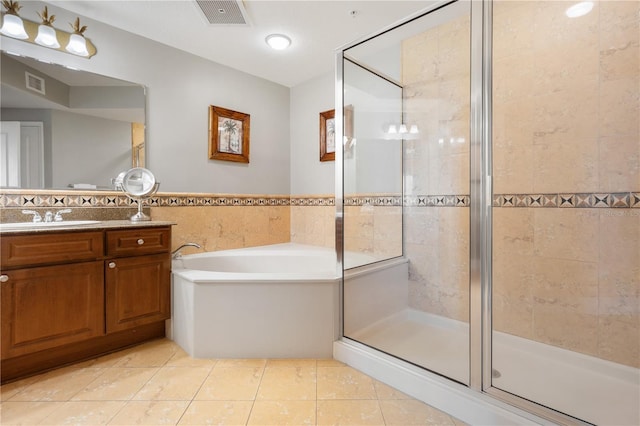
[
  {"x": 278, "y": 41},
  {"x": 46, "y": 33},
  {"x": 579, "y": 9},
  {"x": 402, "y": 131},
  {"x": 12, "y": 25}
]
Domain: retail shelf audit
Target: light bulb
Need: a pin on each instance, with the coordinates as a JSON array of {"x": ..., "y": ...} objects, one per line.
[
  {"x": 392, "y": 129},
  {"x": 403, "y": 128},
  {"x": 414, "y": 129},
  {"x": 13, "y": 27},
  {"x": 77, "y": 45},
  {"x": 47, "y": 36}
]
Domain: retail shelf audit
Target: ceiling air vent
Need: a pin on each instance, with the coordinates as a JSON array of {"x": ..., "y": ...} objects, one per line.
[
  {"x": 34, "y": 82},
  {"x": 223, "y": 12}
]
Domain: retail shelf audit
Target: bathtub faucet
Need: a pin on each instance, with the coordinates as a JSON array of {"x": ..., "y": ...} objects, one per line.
[{"x": 176, "y": 253}]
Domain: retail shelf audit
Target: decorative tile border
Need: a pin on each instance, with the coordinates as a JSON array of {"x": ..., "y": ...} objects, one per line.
[
  {"x": 437, "y": 201},
  {"x": 372, "y": 200},
  {"x": 97, "y": 199},
  {"x": 570, "y": 200},
  {"x": 410, "y": 201},
  {"x": 312, "y": 201},
  {"x": 117, "y": 199}
]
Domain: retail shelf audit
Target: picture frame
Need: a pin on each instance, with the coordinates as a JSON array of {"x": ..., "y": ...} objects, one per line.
[
  {"x": 228, "y": 135},
  {"x": 327, "y": 135}
]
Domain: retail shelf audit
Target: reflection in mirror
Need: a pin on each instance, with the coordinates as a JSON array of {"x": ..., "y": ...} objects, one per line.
[{"x": 64, "y": 128}]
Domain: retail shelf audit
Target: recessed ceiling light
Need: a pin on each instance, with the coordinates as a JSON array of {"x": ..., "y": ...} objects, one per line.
[
  {"x": 579, "y": 9},
  {"x": 278, "y": 41}
]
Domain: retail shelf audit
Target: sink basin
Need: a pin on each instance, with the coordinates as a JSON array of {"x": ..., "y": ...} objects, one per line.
[{"x": 28, "y": 225}]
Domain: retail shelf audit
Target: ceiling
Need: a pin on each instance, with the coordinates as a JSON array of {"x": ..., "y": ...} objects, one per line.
[{"x": 316, "y": 27}]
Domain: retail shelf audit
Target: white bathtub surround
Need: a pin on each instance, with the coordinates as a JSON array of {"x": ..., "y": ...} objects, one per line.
[{"x": 277, "y": 301}]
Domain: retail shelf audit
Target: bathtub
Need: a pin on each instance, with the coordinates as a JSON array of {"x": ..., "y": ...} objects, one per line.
[{"x": 277, "y": 301}]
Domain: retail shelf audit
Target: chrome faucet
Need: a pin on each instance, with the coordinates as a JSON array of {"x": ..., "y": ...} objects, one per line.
[
  {"x": 36, "y": 216},
  {"x": 58, "y": 216},
  {"x": 176, "y": 253},
  {"x": 48, "y": 215}
]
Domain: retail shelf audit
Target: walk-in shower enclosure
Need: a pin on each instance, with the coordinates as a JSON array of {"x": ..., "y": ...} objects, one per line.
[{"x": 495, "y": 146}]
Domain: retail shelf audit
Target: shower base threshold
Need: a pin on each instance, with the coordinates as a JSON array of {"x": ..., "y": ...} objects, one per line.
[{"x": 582, "y": 386}]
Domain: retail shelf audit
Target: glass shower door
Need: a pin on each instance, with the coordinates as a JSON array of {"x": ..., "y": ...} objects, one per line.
[
  {"x": 406, "y": 191},
  {"x": 566, "y": 274}
]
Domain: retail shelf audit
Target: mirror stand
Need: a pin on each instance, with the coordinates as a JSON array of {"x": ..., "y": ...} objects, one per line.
[{"x": 140, "y": 216}]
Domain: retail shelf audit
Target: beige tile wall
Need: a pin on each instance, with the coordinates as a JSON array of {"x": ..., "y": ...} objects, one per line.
[
  {"x": 565, "y": 100},
  {"x": 215, "y": 221},
  {"x": 569, "y": 278},
  {"x": 314, "y": 225},
  {"x": 435, "y": 75},
  {"x": 567, "y": 119},
  {"x": 437, "y": 245},
  {"x": 373, "y": 230},
  {"x": 226, "y": 227}
]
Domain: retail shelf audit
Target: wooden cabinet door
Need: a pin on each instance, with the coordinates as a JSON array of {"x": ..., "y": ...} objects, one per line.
[
  {"x": 138, "y": 291},
  {"x": 50, "y": 306}
]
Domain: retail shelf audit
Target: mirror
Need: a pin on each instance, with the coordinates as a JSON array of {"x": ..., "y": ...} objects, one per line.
[
  {"x": 138, "y": 183},
  {"x": 64, "y": 128}
]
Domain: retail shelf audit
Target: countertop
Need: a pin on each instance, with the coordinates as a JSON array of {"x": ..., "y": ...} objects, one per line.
[{"x": 99, "y": 225}]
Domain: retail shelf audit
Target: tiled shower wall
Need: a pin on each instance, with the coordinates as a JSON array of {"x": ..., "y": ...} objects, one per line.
[
  {"x": 566, "y": 124},
  {"x": 566, "y": 217},
  {"x": 435, "y": 76}
]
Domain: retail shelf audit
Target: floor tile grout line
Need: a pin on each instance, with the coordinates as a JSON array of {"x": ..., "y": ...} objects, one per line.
[
  {"x": 316, "y": 398},
  {"x": 255, "y": 395},
  {"x": 193, "y": 398}
]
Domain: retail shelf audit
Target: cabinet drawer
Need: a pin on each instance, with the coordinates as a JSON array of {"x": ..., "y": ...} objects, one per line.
[
  {"x": 138, "y": 241},
  {"x": 50, "y": 248}
]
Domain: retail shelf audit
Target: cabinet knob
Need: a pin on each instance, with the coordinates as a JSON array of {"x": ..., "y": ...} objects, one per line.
[
  {"x": 4, "y": 278},
  {"x": 112, "y": 265},
  {"x": 140, "y": 241}
]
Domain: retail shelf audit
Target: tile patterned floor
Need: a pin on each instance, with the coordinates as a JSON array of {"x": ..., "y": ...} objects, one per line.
[{"x": 157, "y": 383}]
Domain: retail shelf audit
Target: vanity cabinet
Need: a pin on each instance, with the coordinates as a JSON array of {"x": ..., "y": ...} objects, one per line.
[
  {"x": 137, "y": 278},
  {"x": 71, "y": 295}
]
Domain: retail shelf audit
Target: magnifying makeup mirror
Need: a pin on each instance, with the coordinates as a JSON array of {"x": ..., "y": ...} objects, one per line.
[{"x": 139, "y": 184}]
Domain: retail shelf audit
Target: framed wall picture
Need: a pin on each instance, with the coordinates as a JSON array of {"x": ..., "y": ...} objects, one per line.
[
  {"x": 328, "y": 135},
  {"x": 228, "y": 135}
]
